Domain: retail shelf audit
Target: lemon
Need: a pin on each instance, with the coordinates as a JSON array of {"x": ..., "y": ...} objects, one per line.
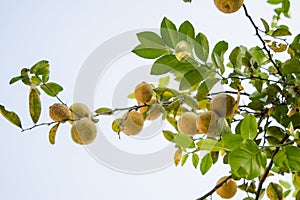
[
  {"x": 228, "y": 189},
  {"x": 228, "y": 6},
  {"x": 143, "y": 92},
  {"x": 59, "y": 112},
  {"x": 187, "y": 123},
  {"x": 84, "y": 131}
]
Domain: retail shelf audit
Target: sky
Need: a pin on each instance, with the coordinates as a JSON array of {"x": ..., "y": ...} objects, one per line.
[{"x": 88, "y": 45}]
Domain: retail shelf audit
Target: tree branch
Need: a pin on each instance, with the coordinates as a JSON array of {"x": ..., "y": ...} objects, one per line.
[
  {"x": 269, "y": 167},
  {"x": 215, "y": 188},
  {"x": 262, "y": 41}
]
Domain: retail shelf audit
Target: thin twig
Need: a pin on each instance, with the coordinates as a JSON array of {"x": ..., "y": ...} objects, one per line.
[
  {"x": 228, "y": 92},
  {"x": 215, "y": 188},
  {"x": 37, "y": 125}
]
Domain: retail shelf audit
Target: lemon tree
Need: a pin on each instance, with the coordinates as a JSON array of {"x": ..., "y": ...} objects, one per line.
[{"x": 252, "y": 126}]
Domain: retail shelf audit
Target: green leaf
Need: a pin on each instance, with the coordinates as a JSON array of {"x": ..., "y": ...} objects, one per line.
[
  {"x": 190, "y": 79},
  {"x": 294, "y": 48},
  {"x": 187, "y": 31},
  {"x": 51, "y": 89},
  {"x": 169, "y": 32},
  {"x": 164, "y": 65},
  {"x": 285, "y": 184},
  {"x": 258, "y": 55},
  {"x": 12, "y": 117},
  {"x": 281, "y": 32},
  {"x": 149, "y": 38},
  {"x": 15, "y": 79},
  {"x": 34, "y": 105},
  {"x": 288, "y": 158},
  {"x": 218, "y": 55},
  {"x": 52, "y": 133},
  {"x": 40, "y": 68},
  {"x": 206, "y": 163},
  {"x": 210, "y": 145},
  {"x": 195, "y": 160},
  {"x": 205, "y": 87},
  {"x": 275, "y": 1},
  {"x": 25, "y": 77},
  {"x": 35, "y": 80},
  {"x": 249, "y": 127},
  {"x": 104, "y": 111},
  {"x": 291, "y": 66},
  {"x": 266, "y": 25},
  {"x": 274, "y": 191},
  {"x": 202, "y": 47},
  {"x": 164, "y": 81},
  {"x": 184, "y": 159},
  {"x": 149, "y": 52},
  {"x": 183, "y": 140},
  {"x": 191, "y": 102},
  {"x": 169, "y": 135},
  {"x": 235, "y": 58},
  {"x": 247, "y": 161},
  {"x": 231, "y": 141}
]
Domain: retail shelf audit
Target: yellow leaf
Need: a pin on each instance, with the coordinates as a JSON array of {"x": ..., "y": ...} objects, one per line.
[
  {"x": 52, "y": 133},
  {"x": 10, "y": 116},
  {"x": 292, "y": 111},
  {"x": 177, "y": 156},
  {"x": 34, "y": 105}
]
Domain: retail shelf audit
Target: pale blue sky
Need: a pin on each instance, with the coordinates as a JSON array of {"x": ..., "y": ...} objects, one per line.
[{"x": 65, "y": 33}]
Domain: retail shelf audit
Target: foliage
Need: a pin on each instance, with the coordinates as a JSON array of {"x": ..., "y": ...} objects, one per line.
[{"x": 261, "y": 139}]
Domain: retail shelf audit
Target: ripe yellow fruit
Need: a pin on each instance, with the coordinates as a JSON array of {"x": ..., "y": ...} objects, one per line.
[
  {"x": 84, "y": 131},
  {"x": 228, "y": 6},
  {"x": 78, "y": 111},
  {"x": 154, "y": 113},
  {"x": 183, "y": 51},
  {"x": 133, "y": 123},
  {"x": 59, "y": 112},
  {"x": 187, "y": 123},
  {"x": 207, "y": 122},
  {"x": 224, "y": 105},
  {"x": 228, "y": 189},
  {"x": 143, "y": 92}
]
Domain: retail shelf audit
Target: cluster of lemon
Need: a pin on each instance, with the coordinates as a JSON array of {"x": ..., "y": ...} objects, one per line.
[
  {"x": 189, "y": 123},
  {"x": 221, "y": 106},
  {"x": 133, "y": 121},
  {"x": 83, "y": 130}
]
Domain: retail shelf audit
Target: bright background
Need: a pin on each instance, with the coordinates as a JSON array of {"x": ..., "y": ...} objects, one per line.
[{"x": 65, "y": 33}]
